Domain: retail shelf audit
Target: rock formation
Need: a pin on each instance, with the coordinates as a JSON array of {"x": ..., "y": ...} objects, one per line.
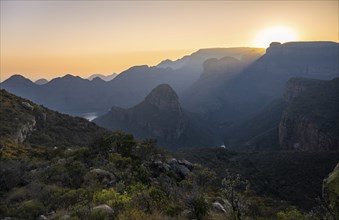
[
  {"x": 158, "y": 116},
  {"x": 311, "y": 119}
]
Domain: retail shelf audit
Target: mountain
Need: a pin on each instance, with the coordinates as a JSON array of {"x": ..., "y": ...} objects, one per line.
[
  {"x": 74, "y": 95},
  {"x": 103, "y": 77},
  {"x": 68, "y": 94},
  {"x": 306, "y": 118},
  {"x": 159, "y": 116},
  {"x": 227, "y": 99},
  {"x": 54, "y": 166},
  {"x": 41, "y": 81},
  {"x": 311, "y": 120},
  {"x": 26, "y": 122},
  {"x": 195, "y": 60}
]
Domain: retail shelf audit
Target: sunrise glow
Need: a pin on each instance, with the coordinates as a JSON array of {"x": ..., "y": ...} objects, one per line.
[
  {"x": 275, "y": 34},
  {"x": 46, "y": 39}
]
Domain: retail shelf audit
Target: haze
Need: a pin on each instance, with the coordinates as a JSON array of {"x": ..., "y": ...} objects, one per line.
[{"x": 48, "y": 39}]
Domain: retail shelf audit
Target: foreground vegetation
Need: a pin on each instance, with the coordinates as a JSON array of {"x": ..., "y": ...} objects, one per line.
[
  {"x": 118, "y": 177},
  {"x": 108, "y": 175}
]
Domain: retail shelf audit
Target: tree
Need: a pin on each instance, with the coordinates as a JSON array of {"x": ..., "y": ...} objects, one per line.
[{"x": 232, "y": 185}]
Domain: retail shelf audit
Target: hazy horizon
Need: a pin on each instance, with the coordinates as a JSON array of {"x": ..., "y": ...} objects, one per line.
[{"x": 55, "y": 38}]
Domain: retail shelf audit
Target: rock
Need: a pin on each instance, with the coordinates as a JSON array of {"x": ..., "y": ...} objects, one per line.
[
  {"x": 158, "y": 116},
  {"x": 186, "y": 163},
  {"x": 163, "y": 167},
  {"x": 25, "y": 130},
  {"x": 64, "y": 217},
  {"x": 218, "y": 207},
  {"x": 62, "y": 161},
  {"x": 43, "y": 217},
  {"x": 105, "y": 178},
  {"x": 331, "y": 189},
  {"x": 104, "y": 208},
  {"x": 305, "y": 124},
  {"x": 181, "y": 170},
  {"x": 187, "y": 213},
  {"x": 101, "y": 172},
  {"x": 27, "y": 106}
]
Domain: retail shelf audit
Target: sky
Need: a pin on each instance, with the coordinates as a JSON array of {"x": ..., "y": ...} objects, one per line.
[{"x": 46, "y": 39}]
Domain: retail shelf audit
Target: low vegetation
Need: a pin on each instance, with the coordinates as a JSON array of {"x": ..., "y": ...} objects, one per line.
[{"x": 114, "y": 176}]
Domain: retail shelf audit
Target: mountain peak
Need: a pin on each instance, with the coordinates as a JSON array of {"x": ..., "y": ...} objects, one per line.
[
  {"x": 18, "y": 77},
  {"x": 164, "y": 98},
  {"x": 16, "y": 80},
  {"x": 41, "y": 81}
]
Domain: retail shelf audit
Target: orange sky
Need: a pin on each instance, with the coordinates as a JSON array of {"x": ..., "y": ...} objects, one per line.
[{"x": 45, "y": 39}]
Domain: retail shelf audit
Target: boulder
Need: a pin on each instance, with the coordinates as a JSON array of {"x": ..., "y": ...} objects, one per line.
[
  {"x": 181, "y": 170},
  {"x": 186, "y": 163},
  {"x": 27, "y": 106},
  {"x": 163, "y": 167},
  {"x": 104, "y": 208},
  {"x": 218, "y": 207}
]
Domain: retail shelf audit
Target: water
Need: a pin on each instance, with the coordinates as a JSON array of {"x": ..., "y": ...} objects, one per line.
[{"x": 89, "y": 115}]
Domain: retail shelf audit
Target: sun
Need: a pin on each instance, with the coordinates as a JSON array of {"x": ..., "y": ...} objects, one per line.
[{"x": 274, "y": 34}]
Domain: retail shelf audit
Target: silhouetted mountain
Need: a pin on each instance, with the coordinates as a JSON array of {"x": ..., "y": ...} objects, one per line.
[
  {"x": 228, "y": 91},
  {"x": 306, "y": 118},
  {"x": 195, "y": 60},
  {"x": 75, "y": 95},
  {"x": 103, "y": 77},
  {"x": 160, "y": 117},
  {"x": 20, "y": 86},
  {"x": 41, "y": 81},
  {"x": 228, "y": 100}
]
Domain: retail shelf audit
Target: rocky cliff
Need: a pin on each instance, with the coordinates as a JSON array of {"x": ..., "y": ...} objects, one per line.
[
  {"x": 159, "y": 116},
  {"x": 26, "y": 122},
  {"x": 331, "y": 190},
  {"x": 311, "y": 119}
]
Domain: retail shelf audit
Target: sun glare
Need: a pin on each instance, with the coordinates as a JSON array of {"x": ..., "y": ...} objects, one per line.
[{"x": 274, "y": 34}]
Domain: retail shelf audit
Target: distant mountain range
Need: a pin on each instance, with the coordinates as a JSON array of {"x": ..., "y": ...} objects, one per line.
[
  {"x": 74, "y": 95},
  {"x": 103, "y": 77},
  {"x": 221, "y": 89},
  {"x": 41, "y": 81}
]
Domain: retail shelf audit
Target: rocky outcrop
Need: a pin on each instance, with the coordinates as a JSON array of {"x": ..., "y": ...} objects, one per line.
[
  {"x": 182, "y": 168},
  {"x": 25, "y": 130},
  {"x": 103, "y": 208},
  {"x": 24, "y": 121},
  {"x": 295, "y": 86},
  {"x": 305, "y": 135},
  {"x": 302, "y": 48},
  {"x": 331, "y": 189},
  {"x": 218, "y": 207},
  {"x": 159, "y": 116},
  {"x": 311, "y": 119}
]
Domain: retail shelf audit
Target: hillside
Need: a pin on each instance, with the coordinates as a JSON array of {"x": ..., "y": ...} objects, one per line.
[
  {"x": 311, "y": 119},
  {"x": 226, "y": 101},
  {"x": 296, "y": 177},
  {"x": 26, "y": 122},
  {"x": 159, "y": 116},
  {"x": 54, "y": 166},
  {"x": 306, "y": 118}
]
